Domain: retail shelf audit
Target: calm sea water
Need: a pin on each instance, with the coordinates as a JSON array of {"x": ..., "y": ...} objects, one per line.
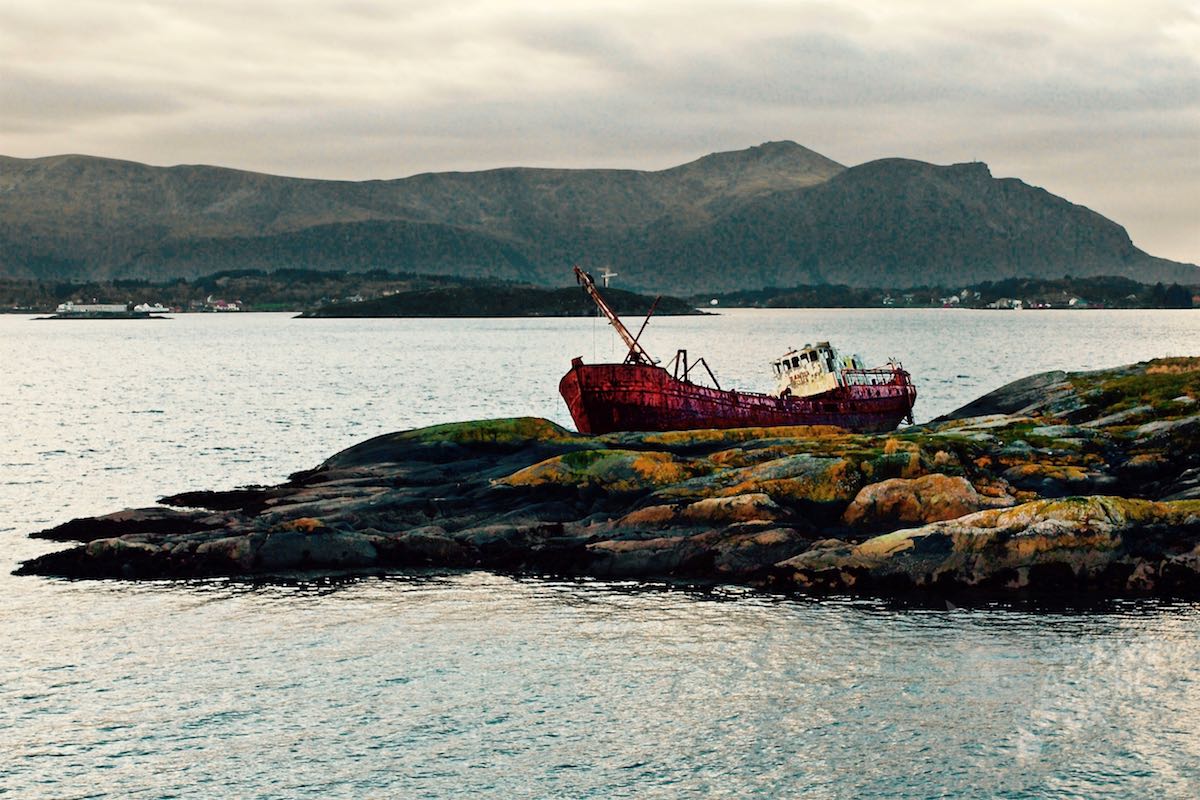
[{"x": 435, "y": 685}]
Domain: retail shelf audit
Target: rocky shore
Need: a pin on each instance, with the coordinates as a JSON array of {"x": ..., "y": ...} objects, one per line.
[{"x": 1057, "y": 484}]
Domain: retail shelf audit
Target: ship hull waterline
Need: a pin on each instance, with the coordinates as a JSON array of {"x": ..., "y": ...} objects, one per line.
[{"x": 605, "y": 398}]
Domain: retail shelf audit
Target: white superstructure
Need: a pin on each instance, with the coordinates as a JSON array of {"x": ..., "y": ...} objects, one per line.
[{"x": 811, "y": 370}]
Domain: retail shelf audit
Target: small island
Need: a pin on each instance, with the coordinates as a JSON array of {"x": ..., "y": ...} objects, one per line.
[
  {"x": 1075, "y": 484},
  {"x": 498, "y": 300}
]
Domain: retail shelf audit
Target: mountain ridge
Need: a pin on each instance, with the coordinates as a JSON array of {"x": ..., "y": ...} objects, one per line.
[{"x": 774, "y": 214}]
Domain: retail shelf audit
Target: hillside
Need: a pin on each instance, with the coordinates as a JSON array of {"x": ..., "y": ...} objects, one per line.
[
  {"x": 777, "y": 214},
  {"x": 902, "y": 223}
]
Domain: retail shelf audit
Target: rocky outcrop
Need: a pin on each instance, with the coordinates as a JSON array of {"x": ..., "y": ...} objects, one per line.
[
  {"x": 929, "y": 498},
  {"x": 1085, "y": 544},
  {"x": 1014, "y": 398},
  {"x": 132, "y": 521},
  {"x": 1090, "y": 485}
]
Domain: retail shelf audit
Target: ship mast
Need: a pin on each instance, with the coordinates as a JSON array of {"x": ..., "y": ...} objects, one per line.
[{"x": 637, "y": 354}]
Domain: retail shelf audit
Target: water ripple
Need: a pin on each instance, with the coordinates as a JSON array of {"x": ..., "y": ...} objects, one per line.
[{"x": 443, "y": 684}]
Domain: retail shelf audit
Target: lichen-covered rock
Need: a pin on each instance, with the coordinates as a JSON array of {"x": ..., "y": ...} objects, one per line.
[
  {"x": 712, "y": 511},
  {"x": 450, "y": 442},
  {"x": 792, "y": 480},
  {"x": 657, "y": 516},
  {"x": 1048, "y": 546},
  {"x": 725, "y": 436},
  {"x": 1120, "y": 417},
  {"x": 1163, "y": 428},
  {"x": 930, "y": 498},
  {"x": 734, "y": 508},
  {"x": 744, "y": 554},
  {"x": 1058, "y": 480},
  {"x": 613, "y": 471}
]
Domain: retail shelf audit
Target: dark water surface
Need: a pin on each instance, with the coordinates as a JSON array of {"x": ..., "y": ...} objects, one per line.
[{"x": 474, "y": 684}]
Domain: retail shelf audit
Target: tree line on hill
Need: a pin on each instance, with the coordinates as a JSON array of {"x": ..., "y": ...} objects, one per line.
[
  {"x": 1065, "y": 292},
  {"x": 382, "y": 293}
]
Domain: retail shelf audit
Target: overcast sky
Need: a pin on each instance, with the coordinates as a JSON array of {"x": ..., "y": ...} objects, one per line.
[{"x": 1096, "y": 101}]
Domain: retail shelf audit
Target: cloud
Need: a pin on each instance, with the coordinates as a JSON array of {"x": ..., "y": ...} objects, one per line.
[{"x": 1095, "y": 100}]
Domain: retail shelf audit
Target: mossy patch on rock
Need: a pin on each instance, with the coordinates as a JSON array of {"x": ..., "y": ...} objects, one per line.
[
  {"x": 614, "y": 471},
  {"x": 1057, "y": 480},
  {"x": 683, "y": 439},
  {"x": 1155, "y": 384},
  {"x": 510, "y": 431},
  {"x": 791, "y": 480}
]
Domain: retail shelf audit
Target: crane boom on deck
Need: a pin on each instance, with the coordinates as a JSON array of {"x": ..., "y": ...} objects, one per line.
[{"x": 637, "y": 354}]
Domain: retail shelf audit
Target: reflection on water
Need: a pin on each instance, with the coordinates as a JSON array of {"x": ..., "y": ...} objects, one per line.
[
  {"x": 470, "y": 682},
  {"x": 441, "y": 684}
]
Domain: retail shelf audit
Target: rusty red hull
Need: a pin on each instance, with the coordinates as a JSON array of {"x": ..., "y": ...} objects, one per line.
[{"x": 604, "y": 398}]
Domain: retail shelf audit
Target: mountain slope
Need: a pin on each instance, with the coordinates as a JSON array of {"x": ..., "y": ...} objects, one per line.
[
  {"x": 896, "y": 222},
  {"x": 777, "y": 214},
  {"x": 94, "y": 217}
]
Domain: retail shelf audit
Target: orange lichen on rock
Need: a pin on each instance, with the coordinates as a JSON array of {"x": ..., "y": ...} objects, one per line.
[
  {"x": 735, "y": 435},
  {"x": 1173, "y": 366},
  {"x": 818, "y": 480},
  {"x": 712, "y": 511},
  {"x": 612, "y": 470},
  {"x": 929, "y": 498},
  {"x": 1059, "y": 472}
]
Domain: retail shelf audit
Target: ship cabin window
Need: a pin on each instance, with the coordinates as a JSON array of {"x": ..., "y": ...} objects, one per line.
[{"x": 796, "y": 362}]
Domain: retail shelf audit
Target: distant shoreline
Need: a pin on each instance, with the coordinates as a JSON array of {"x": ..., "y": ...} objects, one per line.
[{"x": 381, "y": 294}]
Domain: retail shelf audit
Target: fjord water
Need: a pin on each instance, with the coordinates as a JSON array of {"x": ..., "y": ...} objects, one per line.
[{"x": 445, "y": 684}]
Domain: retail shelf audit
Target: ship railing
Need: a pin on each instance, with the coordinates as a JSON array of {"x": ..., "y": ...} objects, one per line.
[{"x": 869, "y": 377}]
